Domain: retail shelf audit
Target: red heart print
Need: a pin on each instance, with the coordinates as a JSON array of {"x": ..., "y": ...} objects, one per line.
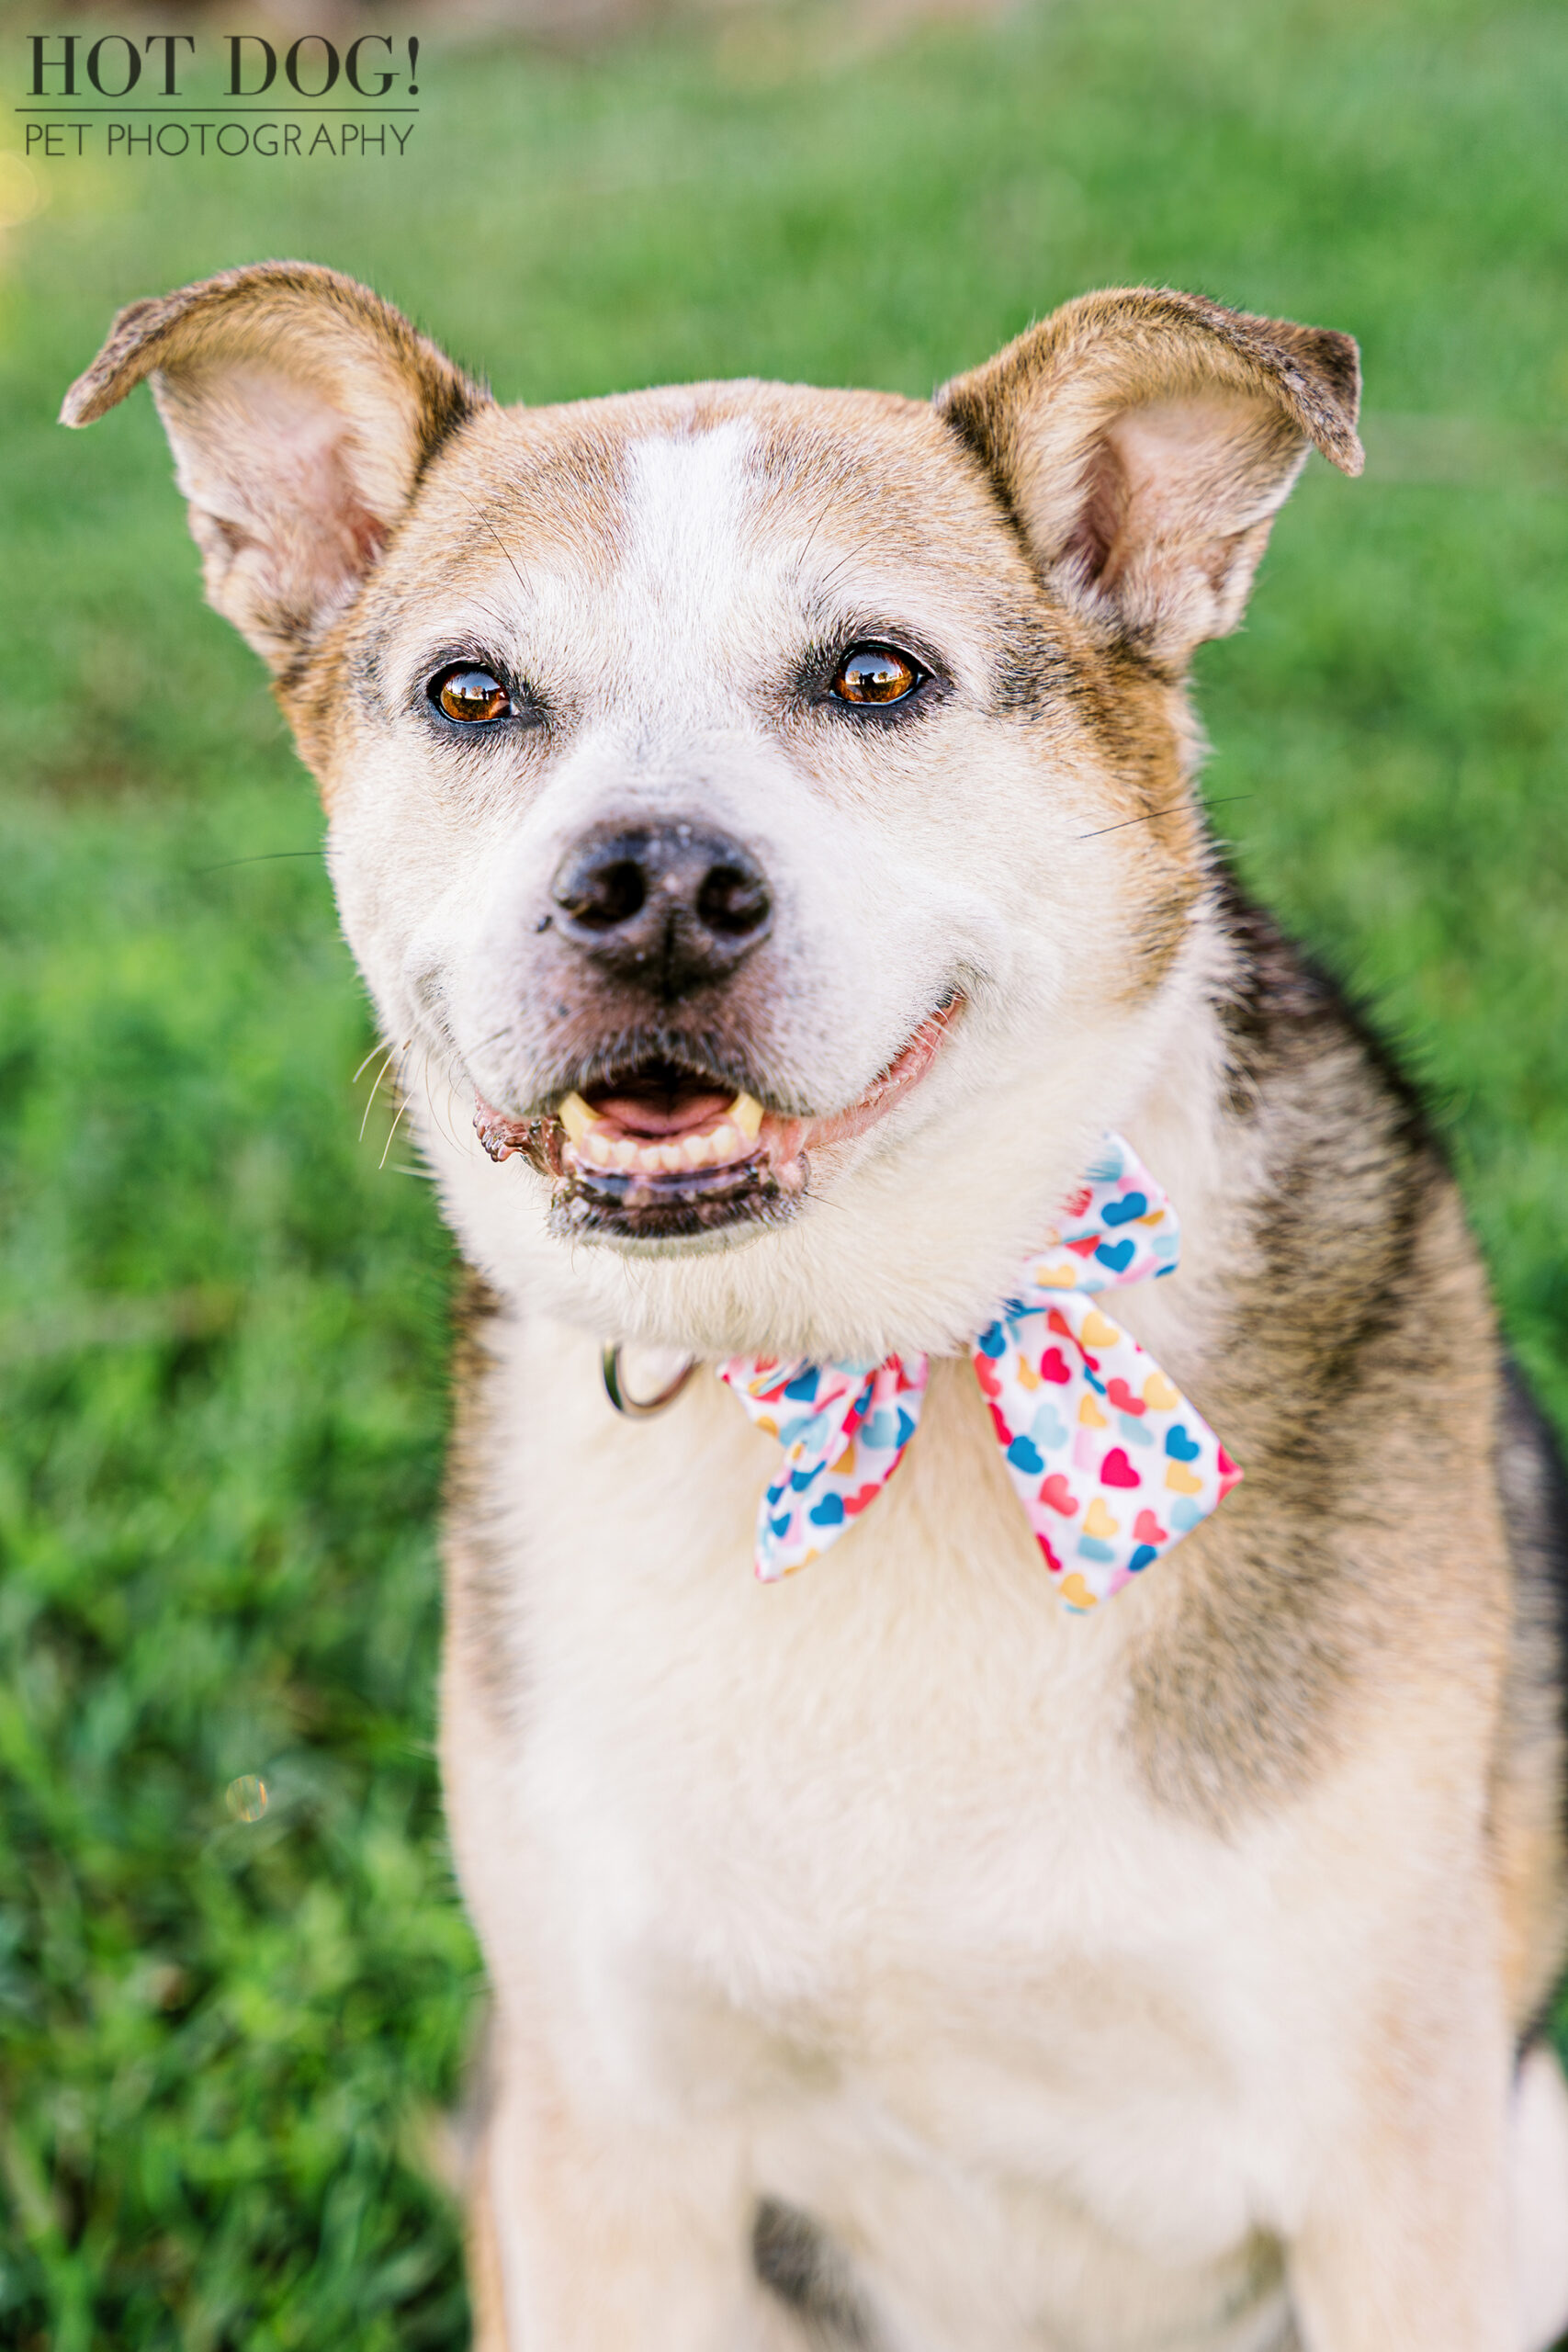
[
  {"x": 1057, "y": 1321},
  {"x": 855, "y": 1504},
  {"x": 985, "y": 1373},
  {"x": 1123, "y": 1399},
  {"x": 1078, "y": 1202},
  {"x": 1051, "y": 1560},
  {"x": 1087, "y": 1247},
  {"x": 1054, "y": 1366},
  {"x": 1229, "y": 1475},
  {"x": 1004, "y": 1435},
  {"x": 1147, "y": 1528},
  {"x": 1056, "y": 1495},
  {"x": 1117, "y": 1471}
]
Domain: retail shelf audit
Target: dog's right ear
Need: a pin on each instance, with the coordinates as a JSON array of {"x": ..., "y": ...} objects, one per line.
[{"x": 302, "y": 410}]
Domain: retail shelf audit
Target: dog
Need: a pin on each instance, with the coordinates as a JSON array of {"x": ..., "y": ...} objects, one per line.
[{"x": 768, "y": 814}]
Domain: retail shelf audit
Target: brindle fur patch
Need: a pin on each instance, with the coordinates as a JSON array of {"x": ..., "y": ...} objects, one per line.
[
  {"x": 1360, "y": 1292},
  {"x": 480, "y": 1559}
]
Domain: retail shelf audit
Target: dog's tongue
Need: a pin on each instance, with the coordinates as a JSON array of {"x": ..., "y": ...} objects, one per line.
[{"x": 650, "y": 1109}]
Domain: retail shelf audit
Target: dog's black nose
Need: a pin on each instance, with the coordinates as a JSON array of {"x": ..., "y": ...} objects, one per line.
[{"x": 672, "y": 906}]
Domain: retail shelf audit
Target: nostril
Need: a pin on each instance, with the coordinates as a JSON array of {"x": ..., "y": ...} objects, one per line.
[
  {"x": 732, "y": 902},
  {"x": 605, "y": 896},
  {"x": 670, "y": 908}
]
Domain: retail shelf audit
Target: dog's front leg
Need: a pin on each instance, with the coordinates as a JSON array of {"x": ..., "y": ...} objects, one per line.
[
  {"x": 1403, "y": 2245},
  {"x": 599, "y": 2236}
]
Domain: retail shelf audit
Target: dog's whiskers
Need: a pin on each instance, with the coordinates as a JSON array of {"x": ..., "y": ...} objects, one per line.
[
  {"x": 262, "y": 857},
  {"x": 832, "y": 574},
  {"x": 376, "y": 1089},
  {"x": 391, "y": 1131},
  {"x": 827, "y": 505},
  {"x": 1169, "y": 810},
  {"x": 439, "y": 1111},
  {"x": 501, "y": 543},
  {"x": 395, "y": 1054}
]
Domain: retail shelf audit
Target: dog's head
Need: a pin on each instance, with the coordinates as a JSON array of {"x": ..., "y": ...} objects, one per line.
[{"x": 764, "y": 812}]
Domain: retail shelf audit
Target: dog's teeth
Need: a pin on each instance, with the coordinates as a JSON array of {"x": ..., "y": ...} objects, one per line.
[
  {"x": 594, "y": 1144},
  {"x": 574, "y": 1115}
]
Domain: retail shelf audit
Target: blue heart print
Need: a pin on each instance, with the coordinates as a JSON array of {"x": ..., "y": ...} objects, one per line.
[
  {"x": 1091, "y": 1548},
  {"x": 1107, "y": 1165},
  {"x": 881, "y": 1431},
  {"x": 803, "y": 1388},
  {"x": 1048, "y": 1429},
  {"x": 1178, "y": 1445},
  {"x": 1141, "y": 1558},
  {"x": 1123, "y": 1211},
  {"x": 828, "y": 1512},
  {"x": 1117, "y": 1255},
  {"x": 994, "y": 1341},
  {"x": 1025, "y": 1455},
  {"x": 1185, "y": 1514},
  {"x": 1137, "y": 1432}
]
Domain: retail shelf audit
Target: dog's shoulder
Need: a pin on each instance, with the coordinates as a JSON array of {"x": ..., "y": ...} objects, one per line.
[{"x": 1402, "y": 1525}]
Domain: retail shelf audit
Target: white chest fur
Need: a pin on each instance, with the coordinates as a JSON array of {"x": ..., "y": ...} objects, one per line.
[{"x": 862, "y": 1862}]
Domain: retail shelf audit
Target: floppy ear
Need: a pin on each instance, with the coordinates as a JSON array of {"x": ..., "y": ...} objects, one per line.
[
  {"x": 1146, "y": 440},
  {"x": 302, "y": 411}
]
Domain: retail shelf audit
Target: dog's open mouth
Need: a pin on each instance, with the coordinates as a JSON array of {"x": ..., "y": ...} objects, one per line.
[{"x": 664, "y": 1149}]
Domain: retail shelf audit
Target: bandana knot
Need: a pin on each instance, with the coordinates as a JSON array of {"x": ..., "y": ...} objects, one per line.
[{"x": 1110, "y": 1462}]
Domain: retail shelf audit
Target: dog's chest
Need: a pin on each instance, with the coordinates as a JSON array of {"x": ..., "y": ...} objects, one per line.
[{"x": 876, "y": 1824}]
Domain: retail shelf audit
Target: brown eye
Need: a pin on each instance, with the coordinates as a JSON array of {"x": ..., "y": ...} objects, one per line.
[
  {"x": 876, "y": 673},
  {"x": 471, "y": 695}
]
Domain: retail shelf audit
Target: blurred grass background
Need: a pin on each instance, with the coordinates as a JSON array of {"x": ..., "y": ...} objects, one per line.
[{"x": 223, "y": 1322}]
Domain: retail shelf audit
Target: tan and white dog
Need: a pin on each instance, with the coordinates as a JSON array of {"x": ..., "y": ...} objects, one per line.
[{"x": 773, "y": 810}]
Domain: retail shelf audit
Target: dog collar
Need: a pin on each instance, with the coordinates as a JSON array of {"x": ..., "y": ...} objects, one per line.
[{"x": 1112, "y": 1464}]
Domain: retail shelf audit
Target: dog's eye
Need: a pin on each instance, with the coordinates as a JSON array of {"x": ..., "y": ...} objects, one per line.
[
  {"x": 877, "y": 674},
  {"x": 471, "y": 695}
]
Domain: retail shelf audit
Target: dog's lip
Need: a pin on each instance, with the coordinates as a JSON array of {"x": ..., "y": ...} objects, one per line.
[
  {"x": 903, "y": 1073},
  {"x": 774, "y": 1140}
]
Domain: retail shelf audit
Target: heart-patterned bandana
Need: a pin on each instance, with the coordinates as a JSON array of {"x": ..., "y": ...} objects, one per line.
[{"x": 1110, "y": 1462}]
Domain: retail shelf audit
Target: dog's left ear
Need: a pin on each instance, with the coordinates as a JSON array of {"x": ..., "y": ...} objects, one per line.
[
  {"x": 1144, "y": 442},
  {"x": 301, "y": 410}
]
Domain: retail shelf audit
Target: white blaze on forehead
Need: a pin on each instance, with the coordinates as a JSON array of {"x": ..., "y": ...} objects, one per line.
[{"x": 687, "y": 500}]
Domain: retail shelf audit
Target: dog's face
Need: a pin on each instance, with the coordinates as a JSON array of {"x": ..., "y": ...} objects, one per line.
[{"x": 761, "y": 814}]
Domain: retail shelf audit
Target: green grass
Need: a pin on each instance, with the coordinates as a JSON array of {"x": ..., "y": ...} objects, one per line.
[{"x": 223, "y": 1325}]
